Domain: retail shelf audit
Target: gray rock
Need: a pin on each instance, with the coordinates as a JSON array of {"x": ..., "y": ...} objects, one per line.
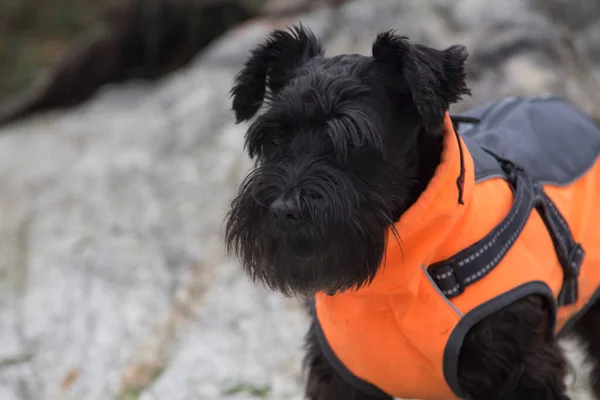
[{"x": 113, "y": 279}]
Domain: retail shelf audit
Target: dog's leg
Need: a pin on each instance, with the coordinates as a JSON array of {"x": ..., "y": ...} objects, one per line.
[
  {"x": 588, "y": 330},
  {"x": 506, "y": 356},
  {"x": 323, "y": 383}
]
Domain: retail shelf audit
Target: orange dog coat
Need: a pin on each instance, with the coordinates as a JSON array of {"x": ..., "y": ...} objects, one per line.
[{"x": 529, "y": 223}]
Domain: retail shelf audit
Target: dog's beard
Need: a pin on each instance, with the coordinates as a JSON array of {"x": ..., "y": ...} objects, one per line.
[{"x": 339, "y": 245}]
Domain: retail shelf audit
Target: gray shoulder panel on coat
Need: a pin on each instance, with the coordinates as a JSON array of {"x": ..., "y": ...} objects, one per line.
[{"x": 550, "y": 138}]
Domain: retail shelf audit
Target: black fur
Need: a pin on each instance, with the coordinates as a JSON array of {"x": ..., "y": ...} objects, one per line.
[
  {"x": 588, "y": 329},
  {"x": 507, "y": 356},
  {"x": 345, "y": 145}
]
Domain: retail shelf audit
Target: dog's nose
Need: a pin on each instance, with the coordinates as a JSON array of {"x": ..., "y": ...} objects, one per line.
[{"x": 286, "y": 210}]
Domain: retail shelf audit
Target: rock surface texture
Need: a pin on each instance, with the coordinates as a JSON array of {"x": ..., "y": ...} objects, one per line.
[{"x": 113, "y": 279}]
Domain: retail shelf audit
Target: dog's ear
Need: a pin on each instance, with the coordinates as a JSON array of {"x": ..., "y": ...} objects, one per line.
[
  {"x": 271, "y": 65},
  {"x": 435, "y": 78}
]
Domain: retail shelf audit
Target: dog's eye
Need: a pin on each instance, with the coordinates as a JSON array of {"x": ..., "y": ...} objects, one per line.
[
  {"x": 357, "y": 146},
  {"x": 270, "y": 141}
]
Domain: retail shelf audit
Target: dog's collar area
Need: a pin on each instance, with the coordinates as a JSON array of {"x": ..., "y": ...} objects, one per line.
[
  {"x": 448, "y": 193},
  {"x": 432, "y": 221}
]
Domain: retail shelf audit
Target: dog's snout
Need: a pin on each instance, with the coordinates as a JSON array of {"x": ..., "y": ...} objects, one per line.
[{"x": 286, "y": 210}]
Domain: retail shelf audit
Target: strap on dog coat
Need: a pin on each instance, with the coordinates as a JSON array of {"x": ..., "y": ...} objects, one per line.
[{"x": 468, "y": 266}]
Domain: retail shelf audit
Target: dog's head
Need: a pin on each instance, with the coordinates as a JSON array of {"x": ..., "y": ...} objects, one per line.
[{"x": 343, "y": 147}]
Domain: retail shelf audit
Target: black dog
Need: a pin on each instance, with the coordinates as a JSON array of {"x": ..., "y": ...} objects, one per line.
[{"x": 345, "y": 147}]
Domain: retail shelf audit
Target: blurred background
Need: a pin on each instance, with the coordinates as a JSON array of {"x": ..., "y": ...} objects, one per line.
[{"x": 119, "y": 157}]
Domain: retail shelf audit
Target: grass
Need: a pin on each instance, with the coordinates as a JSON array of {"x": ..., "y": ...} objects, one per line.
[
  {"x": 133, "y": 389},
  {"x": 255, "y": 391}
]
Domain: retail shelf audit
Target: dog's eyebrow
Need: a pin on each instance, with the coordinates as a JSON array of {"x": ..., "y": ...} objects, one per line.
[{"x": 354, "y": 128}]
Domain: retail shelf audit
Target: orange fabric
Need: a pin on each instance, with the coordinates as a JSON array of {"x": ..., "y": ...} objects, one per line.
[{"x": 393, "y": 332}]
